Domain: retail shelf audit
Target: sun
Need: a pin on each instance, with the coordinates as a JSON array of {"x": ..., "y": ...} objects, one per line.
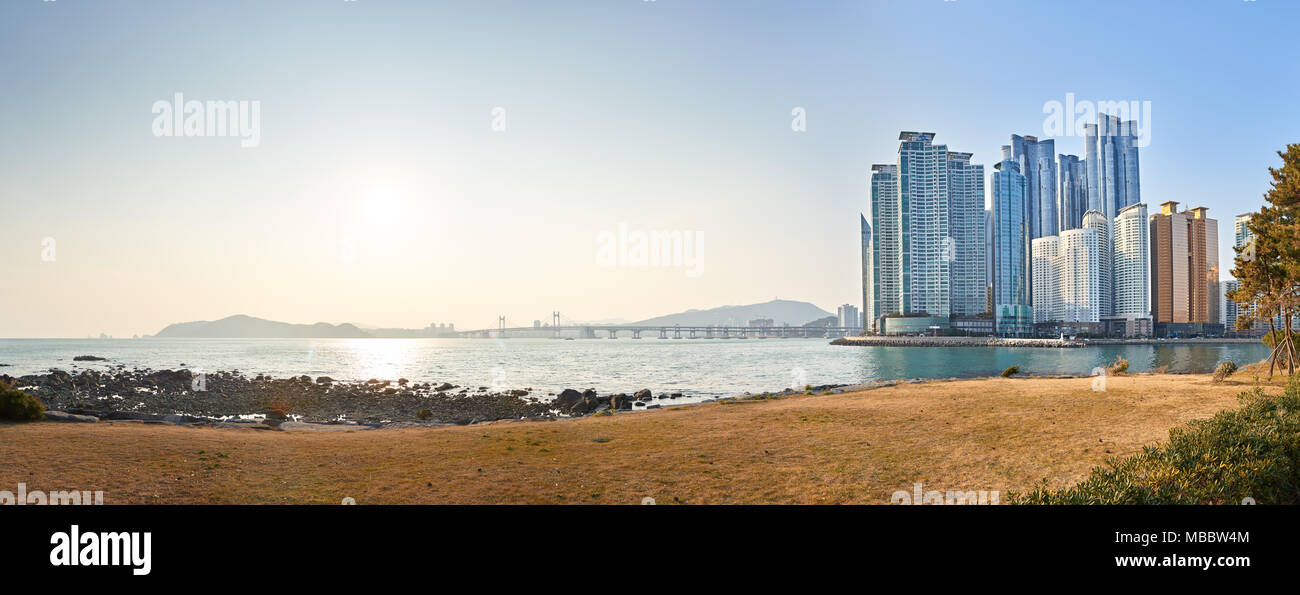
[{"x": 381, "y": 205}]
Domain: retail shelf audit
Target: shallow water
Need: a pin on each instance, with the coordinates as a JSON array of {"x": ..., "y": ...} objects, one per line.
[{"x": 700, "y": 368}]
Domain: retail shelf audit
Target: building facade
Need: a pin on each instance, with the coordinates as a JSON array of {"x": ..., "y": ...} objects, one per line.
[
  {"x": 1131, "y": 266},
  {"x": 1111, "y": 162},
  {"x": 1184, "y": 275},
  {"x": 884, "y": 223},
  {"x": 1072, "y": 191},
  {"x": 847, "y": 316},
  {"x": 924, "y": 239},
  {"x": 1038, "y": 164},
  {"x": 965, "y": 248},
  {"x": 1010, "y": 257},
  {"x": 1104, "y": 273},
  {"x": 1045, "y": 253}
]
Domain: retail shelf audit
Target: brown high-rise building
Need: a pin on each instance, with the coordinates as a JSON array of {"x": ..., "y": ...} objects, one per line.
[{"x": 1184, "y": 266}]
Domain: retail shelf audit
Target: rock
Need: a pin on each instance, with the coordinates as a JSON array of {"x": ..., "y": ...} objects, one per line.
[
  {"x": 298, "y": 426},
  {"x": 588, "y": 404},
  {"x": 621, "y": 402},
  {"x": 324, "y": 380},
  {"x": 131, "y": 415},
  {"x": 643, "y": 395},
  {"x": 181, "y": 420},
  {"x": 566, "y": 399},
  {"x": 69, "y": 417},
  {"x": 89, "y": 358}
]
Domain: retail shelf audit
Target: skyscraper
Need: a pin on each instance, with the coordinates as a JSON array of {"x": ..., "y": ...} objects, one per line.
[
  {"x": 868, "y": 284},
  {"x": 1047, "y": 275},
  {"x": 885, "y": 225},
  {"x": 847, "y": 316},
  {"x": 1103, "y": 273},
  {"x": 1206, "y": 231},
  {"x": 1132, "y": 271},
  {"x": 966, "y": 226},
  {"x": 1010, "y": 259},
  {"x": 1184, "y": 275},
  {"x": 925, "y": 241},
  {"x": 1073, "y": 191},
  {"x": 1241, "y": 230},
  {"x": 1038, "y": 165},
  {"x": 1111, "y": 160},
  {"x": 1170, "y": 283},
  {"x": 1078, "y": 287}
]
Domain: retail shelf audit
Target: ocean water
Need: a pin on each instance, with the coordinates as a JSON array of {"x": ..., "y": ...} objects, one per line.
[{"x": 698, "y": 368}]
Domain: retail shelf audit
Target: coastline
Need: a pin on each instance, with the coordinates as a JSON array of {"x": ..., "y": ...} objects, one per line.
[{"x": 855, "y": 446}]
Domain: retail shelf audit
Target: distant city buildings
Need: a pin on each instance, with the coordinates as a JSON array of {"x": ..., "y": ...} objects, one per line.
[
  {"x": 1065, "y": 245},
  {"x": 847, "y": 316}
]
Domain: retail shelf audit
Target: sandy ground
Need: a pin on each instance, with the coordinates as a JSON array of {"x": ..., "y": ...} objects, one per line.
[{"x": 859, "y": 447}]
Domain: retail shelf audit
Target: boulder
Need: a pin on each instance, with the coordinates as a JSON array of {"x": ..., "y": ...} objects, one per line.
[
  {"x": 567, "y": 399},
  {"x": 643, "y": 395},
  {"x": 69, "y": 417},
  {"x": 88, "y": 358},
  {"x": 621, "y": 401}
]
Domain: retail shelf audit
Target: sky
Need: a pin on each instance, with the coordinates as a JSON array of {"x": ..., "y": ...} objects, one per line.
[{"x": 424, "y": 161}]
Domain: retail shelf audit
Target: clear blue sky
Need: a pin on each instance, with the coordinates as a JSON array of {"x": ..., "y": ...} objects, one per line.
[{"x": 379, "y": 193}]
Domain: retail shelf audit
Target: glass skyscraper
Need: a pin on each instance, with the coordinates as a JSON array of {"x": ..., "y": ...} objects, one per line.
[
  {"x": 1013, "y": 311},
  {"x": 1038, "y": 165},
  {"x": 1072, "y": 191},
  {"x": 884, "y": 224},
  {"x": 1111, "y": 157}
]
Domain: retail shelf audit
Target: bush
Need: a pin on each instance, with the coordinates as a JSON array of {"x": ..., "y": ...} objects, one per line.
[
  {"x": 424, "y": 415},
  {"x": 16, "y": 405},
  {"x": 1224, "y": 370},
  {"x": 1119, "y": 366},
  {"x": 1251, "y": 452},
  {"x": 1011, "y": 371}
]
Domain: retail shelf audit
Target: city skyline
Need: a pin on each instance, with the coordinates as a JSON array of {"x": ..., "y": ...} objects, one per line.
[{"x": 379, "y": 190}]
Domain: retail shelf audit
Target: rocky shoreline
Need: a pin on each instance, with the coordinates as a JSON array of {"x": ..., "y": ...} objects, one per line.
[{"x": 231, "y": 399}]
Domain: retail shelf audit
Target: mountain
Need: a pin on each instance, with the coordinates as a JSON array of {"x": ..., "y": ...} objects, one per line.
[
  {"x": 246, "y": 327},
  {"x": 780, "y": 311}
]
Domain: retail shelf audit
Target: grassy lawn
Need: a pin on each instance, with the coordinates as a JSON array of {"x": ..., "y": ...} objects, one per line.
[{"x": 988, "y": 434}]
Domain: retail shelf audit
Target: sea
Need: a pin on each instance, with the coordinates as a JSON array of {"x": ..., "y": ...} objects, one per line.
[{"x": 697, "y": 368}]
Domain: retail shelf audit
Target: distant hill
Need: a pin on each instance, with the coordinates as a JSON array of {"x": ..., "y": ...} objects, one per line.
[
  {"x": 248, "y": 327},
  {"x": 780, "y": 311}
]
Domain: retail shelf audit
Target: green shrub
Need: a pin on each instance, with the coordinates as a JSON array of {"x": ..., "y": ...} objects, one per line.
[
  {"x": 1011, "y": 371},
  {"x": 16, "y": 405},
  {"x": 1119, "y": 366},
  {"x": 425, "y": 415},
  {"x": 1251, "y": 452},
  {"x": 1224, "y": 370}
]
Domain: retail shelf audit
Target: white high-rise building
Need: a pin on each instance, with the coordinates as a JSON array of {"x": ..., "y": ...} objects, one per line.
[
  {"x": 966, "y": 224},
  {"x": 1104, "y": 272},
  {"x": 925, "y": 240},
  {"x": 1078, "y": 286},
  {"x": 848, "y": 316},
  {"x": 1044, "y": 253},
  {"x": 1132, "y": 270},
  {"x": 883, "y": 278}
]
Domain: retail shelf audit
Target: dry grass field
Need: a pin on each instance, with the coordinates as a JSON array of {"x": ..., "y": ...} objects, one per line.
[{"x": 859, "y": 447}]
